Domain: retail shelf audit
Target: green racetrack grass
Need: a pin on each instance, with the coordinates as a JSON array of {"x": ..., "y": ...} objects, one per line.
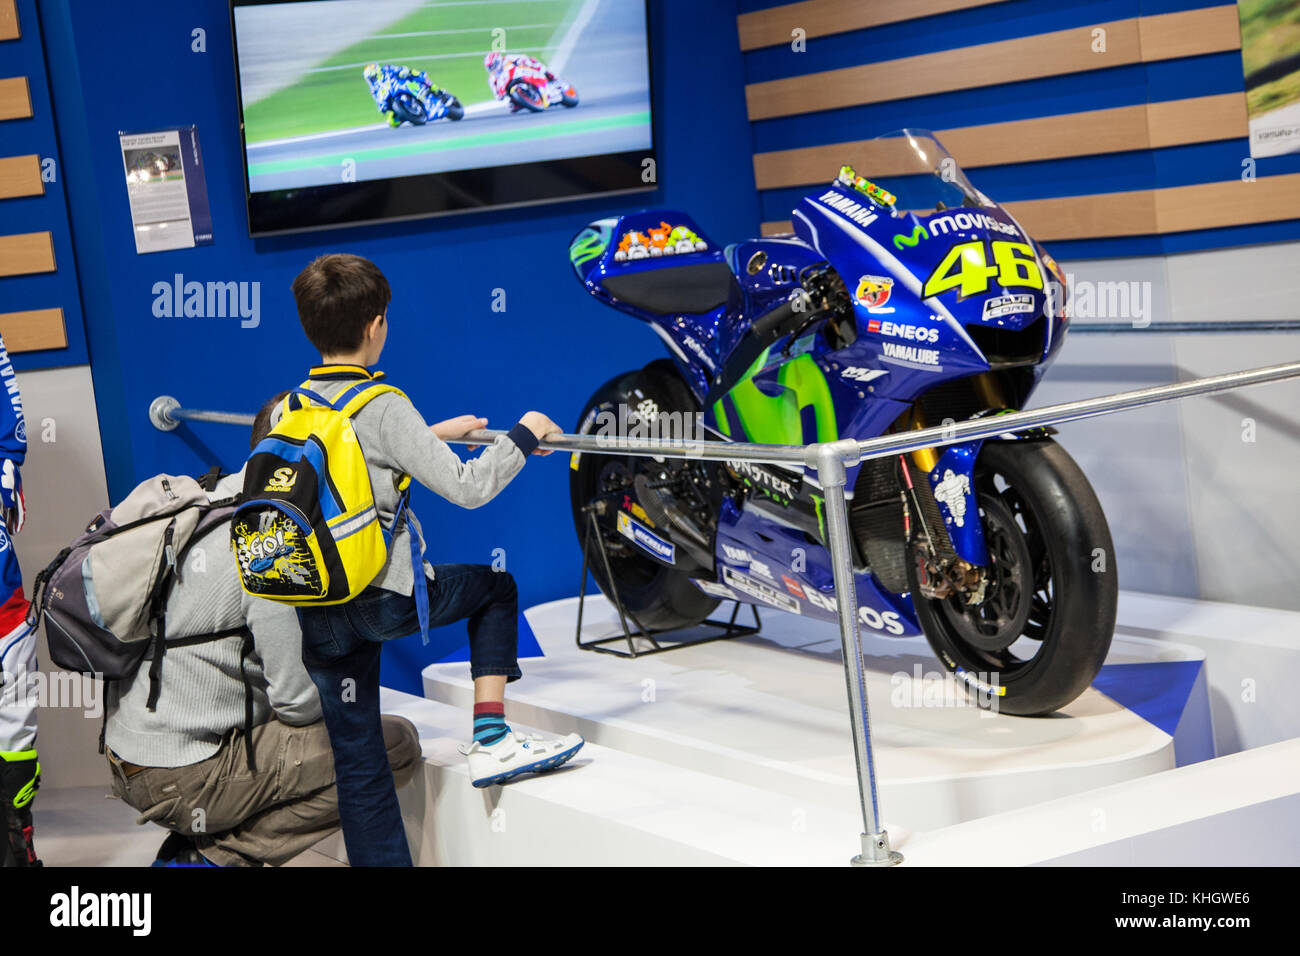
[
  {"x": 393, "y": 150},
  {"x": 334, "y": 99}
]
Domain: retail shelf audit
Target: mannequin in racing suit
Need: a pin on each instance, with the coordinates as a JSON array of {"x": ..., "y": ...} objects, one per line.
[
  {"x": 501, "y": 69},
  {"x": 20, "y": 772}
]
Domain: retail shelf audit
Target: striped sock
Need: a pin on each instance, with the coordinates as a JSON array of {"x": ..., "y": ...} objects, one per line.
[{"x": 490, "y": 723}]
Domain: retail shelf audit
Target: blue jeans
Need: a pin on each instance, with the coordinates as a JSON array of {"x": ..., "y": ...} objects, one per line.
[{"x": 340, "y": 648}]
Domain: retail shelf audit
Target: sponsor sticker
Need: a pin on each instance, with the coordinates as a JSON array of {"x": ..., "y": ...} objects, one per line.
[
  {"x": 887, "y": 621},
  {"x": 646, "y": 539},
  {"x": 1001, "y": 305},
  {"x": 793, "y": 586},
  {"x": 759, "y": 591},
  {"x": 873, "y": 292},
  {"x": 714, "y": 588},
  {"x": 910, "y": 355},
  {"x": 901, "y": 330},
  {"x": 738, "y": 555},
  {"x": 855, "y": 374},
  {"x": 994, "y": 690}
]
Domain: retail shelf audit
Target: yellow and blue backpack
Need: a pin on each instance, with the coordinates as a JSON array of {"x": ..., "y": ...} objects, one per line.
[{"x": 307, "y": 531}]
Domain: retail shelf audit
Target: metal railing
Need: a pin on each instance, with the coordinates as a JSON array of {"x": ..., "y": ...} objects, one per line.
[{"x": 831, "y": 460}]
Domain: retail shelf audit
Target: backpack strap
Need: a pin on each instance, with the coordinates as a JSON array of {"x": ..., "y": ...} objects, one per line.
[
  {"x": 351, "y": 400},
  {"x": 419, "y": 585},
  {"x": 158, "y": 613},
  {"x": 208, "y": 480}
]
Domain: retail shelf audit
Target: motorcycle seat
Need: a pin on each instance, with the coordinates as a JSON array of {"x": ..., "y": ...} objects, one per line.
[{"x": 674, "y": 290}]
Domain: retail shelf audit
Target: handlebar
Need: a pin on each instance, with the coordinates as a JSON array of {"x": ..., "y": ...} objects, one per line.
[{"x": 793, "y": 311}]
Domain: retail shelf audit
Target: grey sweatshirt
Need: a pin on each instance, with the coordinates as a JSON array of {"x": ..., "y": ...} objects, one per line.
[
  {"x": 202, "y": 693},
  {"x": 396, "y": 440}
]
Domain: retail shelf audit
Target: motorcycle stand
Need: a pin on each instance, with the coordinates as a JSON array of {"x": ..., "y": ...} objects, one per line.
[{"x": 729, "y": 628}]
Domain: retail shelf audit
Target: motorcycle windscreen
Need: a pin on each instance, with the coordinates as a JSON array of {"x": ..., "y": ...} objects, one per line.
[{"x": 910, "y": 224}]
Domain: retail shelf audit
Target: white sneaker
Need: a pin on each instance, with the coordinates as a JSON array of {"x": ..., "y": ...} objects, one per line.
[{"x": 517, "y": 753}]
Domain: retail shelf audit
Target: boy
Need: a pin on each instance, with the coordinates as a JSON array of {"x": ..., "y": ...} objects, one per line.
[{"x": 342, "y": 303}]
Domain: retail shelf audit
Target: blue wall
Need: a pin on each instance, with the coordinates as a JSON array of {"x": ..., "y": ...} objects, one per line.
[
  {"x": 47, "y": 213},
  {"x": 447, "y": 348}
]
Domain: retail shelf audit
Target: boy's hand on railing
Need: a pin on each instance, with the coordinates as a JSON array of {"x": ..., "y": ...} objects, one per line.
[
  {"x": 541, "y": 426},
  {"x": 458, "y": 427}
]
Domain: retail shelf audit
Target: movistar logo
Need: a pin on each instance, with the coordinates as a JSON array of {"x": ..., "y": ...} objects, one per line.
[{"x": 918, "y": 233}]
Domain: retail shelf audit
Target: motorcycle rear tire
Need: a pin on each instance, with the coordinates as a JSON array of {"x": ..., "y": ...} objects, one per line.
[
  {"x": 518, "y": 95},
  {"x": 661, "y": 598},
  {"x": 1073, "y": 537}
]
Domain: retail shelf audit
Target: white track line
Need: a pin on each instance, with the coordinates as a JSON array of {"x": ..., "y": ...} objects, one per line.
[
  {"x": 561, "y": 58},
  {"x": 474, "y": 110}
]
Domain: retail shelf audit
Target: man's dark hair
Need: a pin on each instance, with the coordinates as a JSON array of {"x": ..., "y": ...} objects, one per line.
[
  {"x": 338, "y": 295},
  {"x": 262, "y": 423}
]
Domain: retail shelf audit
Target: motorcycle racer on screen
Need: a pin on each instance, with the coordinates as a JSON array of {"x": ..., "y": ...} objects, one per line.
[
  {"x": 526, "y": 83},
  {"x": 404, "y": 95}
]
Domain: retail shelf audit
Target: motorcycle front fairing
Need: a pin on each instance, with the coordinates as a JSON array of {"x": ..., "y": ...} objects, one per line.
[{"x": 931, "y": 273}]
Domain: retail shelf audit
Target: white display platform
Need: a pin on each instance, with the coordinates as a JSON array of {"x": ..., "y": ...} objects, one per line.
[{"x": 768, "y": 714}]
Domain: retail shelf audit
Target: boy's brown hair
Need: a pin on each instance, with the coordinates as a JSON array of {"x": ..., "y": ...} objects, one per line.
[{"x": 338, "y": 295}]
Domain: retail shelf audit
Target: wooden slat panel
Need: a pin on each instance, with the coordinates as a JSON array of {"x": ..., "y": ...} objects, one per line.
[
  {"x": 1202, "y": 119},
  {"x": 1006, "y": 61},
  {"x": 819, "y": 18},
  {"x": 30, "y": 331},
  {"x": 1234, "y": 203},
  {"x": 1168, "y": 36},
  {"x": 1089, "y": 217},
  {"x": 1151, "y": 211},
  {"x": 1197, "y": 120},
  {"x": 21, "y": 176},
  {"x": 1051, "y": 137},
  {"x": 9, "y": 29},
  {"x": 1162, "y": 37},
  {"x": 26, "y": 253},
  {"x": 15, "y": 100}
]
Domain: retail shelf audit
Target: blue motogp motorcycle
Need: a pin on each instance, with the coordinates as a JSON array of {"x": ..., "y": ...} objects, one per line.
[{"x": 902, "y": 301}]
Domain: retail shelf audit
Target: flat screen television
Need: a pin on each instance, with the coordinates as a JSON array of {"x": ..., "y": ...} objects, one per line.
[{"x": 362, "y": 111}]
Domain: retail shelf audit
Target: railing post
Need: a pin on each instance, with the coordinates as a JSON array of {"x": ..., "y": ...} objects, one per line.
[{"x": 829, "y": 459}]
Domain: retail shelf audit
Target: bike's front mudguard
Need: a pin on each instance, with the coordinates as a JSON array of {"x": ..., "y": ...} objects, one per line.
[{"x": 953, "y": 484}]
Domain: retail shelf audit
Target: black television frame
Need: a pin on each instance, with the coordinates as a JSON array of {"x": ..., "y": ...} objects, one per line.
[{"x": 431, "y": 195}]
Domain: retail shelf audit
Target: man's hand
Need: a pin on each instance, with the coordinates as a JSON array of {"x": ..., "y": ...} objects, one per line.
[
  {"x": 12, "y": 502},
  {"x": 459, "y": 427},
  {"x": 541, "y": 426}
]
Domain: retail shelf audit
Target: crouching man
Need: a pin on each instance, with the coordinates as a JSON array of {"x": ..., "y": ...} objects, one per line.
[{"x": 231, "y": 798}]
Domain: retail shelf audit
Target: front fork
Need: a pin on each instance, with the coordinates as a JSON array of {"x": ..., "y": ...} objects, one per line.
[{"x": 951, "y": 473}]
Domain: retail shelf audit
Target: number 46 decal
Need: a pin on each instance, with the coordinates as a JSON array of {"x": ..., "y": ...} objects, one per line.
[{"x": 966, "y": 268}]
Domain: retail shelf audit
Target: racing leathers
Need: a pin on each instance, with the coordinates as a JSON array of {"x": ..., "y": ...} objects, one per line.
[
  {"x": 502, "y": 70},
  {"x": 20, "y": 772},
  {"x": 388, "y": 80}
]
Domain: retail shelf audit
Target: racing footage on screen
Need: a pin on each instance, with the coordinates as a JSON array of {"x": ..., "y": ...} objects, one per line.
[{"x": 356, "y": 90}]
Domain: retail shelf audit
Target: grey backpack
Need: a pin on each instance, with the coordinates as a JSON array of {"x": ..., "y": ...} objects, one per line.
[{"x": 104, "y": 597}]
